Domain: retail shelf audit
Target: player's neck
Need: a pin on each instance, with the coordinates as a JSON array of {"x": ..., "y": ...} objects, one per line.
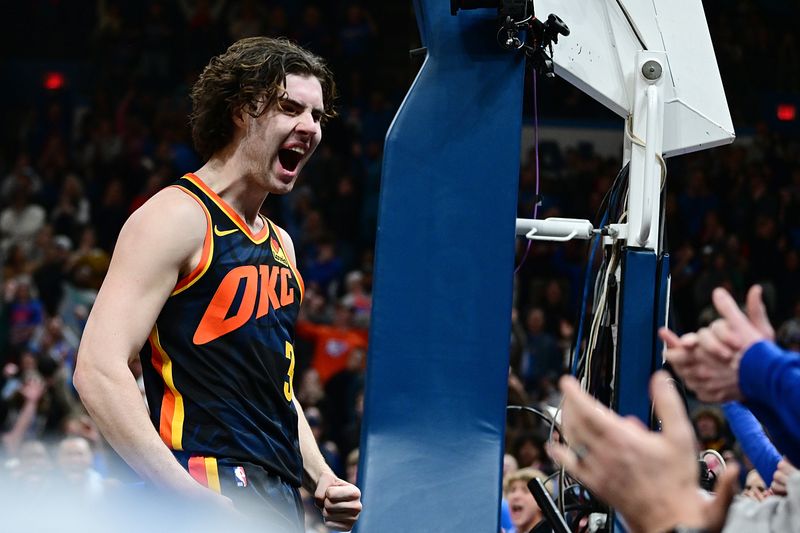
[{"x": 225, "y": 177}]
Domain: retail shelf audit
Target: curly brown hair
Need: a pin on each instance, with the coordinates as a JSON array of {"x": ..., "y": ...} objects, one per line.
[{"x": 249, "y": 76}]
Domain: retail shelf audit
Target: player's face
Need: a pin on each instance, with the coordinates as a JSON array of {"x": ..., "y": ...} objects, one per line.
[
  {"x": 279, "y": 143},
  {"x": 524, "y": 510}
]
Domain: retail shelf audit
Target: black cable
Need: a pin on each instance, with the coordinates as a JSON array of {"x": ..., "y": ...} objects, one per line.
[
  {"x": 609, "y": 201},
  {"x": 544, "y": 416},
  {"x": 621, "y": 176}
]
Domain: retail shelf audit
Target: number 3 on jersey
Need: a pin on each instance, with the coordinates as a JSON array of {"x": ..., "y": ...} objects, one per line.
[{"x": 288, "y": 388}]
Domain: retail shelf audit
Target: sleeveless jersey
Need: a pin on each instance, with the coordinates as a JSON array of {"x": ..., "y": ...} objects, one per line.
[{"x": 219, "y": 363}]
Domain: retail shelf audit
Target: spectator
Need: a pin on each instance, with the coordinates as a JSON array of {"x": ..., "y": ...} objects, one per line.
[
  {"x": 342, "y": 390},
  {"x": 22, "y": 220},
  {"x": 51, "y": 273},
  {"x": 25, "y": 312},
  {"x": 75, "y": 463},
  {"x": 352, "y": 466},
  {"x": 357, "y": 299},
  {"x": 525, "y": 512},
  {"x": 530, "y": 453},
  {"x": 17, "y": 264},
  {"x": 509, "y": 464},
  {"x": 325, "y": 268},
  {"x": 22, "y": 175},
  {"x": 31, "y": 391},
  {"x": 33, "y": 472},
  {"x": 542, "y": 360},
  {"x": 110, "y": 214},
  {"x": 58, "y": 343},
  {"x": 754, "y": 487},
  {"x": 333, "y": 343},
  {"x": 710, "y": 428},
  {"x": 72, "y": 211},
  {"x": 310, "y": 392}
]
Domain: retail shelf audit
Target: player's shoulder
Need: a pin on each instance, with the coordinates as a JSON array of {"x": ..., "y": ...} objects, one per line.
[
  {"x": 171, "y": 216},
  {"x": 172, "y": 205}
]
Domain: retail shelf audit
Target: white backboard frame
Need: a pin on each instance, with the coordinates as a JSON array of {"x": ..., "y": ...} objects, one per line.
[{"x": 598, "y": 58}]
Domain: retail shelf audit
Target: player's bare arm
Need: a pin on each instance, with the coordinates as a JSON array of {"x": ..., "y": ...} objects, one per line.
[{"x": 157, "y": 245}]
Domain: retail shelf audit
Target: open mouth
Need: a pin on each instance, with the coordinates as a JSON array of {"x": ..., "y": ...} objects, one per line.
[{"x": 289, "y": 158}]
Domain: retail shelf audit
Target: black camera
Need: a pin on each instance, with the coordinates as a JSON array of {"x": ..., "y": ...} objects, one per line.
[{"x": 521, "y": 30}]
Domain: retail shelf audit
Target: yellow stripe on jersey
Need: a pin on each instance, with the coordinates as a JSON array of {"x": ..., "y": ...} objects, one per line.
[
  {"x": 171, "y": 423},
  {"x": 212, "y": 473}
]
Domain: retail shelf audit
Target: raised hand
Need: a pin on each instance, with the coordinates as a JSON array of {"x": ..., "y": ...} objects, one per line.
[
  {"x": 708, "y": 361},
  {"x": 650, "y": 478}
]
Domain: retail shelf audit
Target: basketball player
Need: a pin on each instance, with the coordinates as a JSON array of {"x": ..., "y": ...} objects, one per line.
[{"x": 206, "y": 290}]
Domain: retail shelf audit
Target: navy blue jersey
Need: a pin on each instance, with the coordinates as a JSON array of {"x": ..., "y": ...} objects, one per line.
[{"x": 219, "y": 363}]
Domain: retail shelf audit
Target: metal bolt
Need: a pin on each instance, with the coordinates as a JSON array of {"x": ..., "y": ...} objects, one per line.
[{"x": 651, "y": 70}]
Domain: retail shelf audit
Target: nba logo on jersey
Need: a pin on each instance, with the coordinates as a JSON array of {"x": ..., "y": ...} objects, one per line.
[{"x": 241, "y": 477}]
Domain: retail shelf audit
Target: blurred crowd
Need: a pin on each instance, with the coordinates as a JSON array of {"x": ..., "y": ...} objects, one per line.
[{"x": 77, "y": 160}]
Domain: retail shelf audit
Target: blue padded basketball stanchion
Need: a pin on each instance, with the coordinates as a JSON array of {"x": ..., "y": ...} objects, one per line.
[{"x": 432, "y": 434}]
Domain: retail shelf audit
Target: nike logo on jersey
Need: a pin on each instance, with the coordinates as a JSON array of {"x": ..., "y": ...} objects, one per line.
[
  {"x": 261, "y": 292},
  {"x": 222, "y": 233}
]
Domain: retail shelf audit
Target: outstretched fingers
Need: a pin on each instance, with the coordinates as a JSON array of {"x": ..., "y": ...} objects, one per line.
[
  {"x": 757, "y": 312},
  {"x": 670, "y": 338},
  {"x": 747, "y": 332},
  {"x": 679, "y": 350},
  {"x": 728, "y": 309}
]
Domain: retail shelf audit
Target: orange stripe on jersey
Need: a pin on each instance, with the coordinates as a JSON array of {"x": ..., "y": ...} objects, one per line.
[
  {"x": 197, "y": 469},
  {"x": 208, "y": 249},
  {"x": 292, "y": 264},
  {"x": 204, "y": 470},
  {"x": 170, "y": 425},
  {"x": 257, "y": 238}
]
